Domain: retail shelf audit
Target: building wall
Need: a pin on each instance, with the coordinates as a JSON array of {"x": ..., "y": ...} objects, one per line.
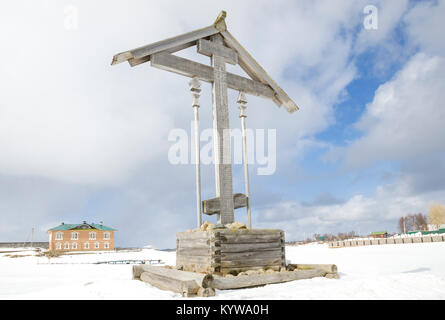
[{"x": 67, "y": 243}]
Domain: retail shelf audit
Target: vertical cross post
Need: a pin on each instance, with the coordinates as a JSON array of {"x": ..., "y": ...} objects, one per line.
[
  {"x": 221, "y": 135},
  {"x": 195, "y": 88},
  {"x": 242, "y": 101}
]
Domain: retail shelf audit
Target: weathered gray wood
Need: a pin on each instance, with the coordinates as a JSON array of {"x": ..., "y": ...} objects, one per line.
[
  {"x": 202, "y": 235},
  {"x": 230, "y": 270},
  {"x": 198, "y": 243},
  {"x": 251, "y": 262},
  {"x": 245, "y": 256},
  {"x": 202, "y": 280},
  {"x": 206, "y": 292},
  {"x": 221, "y": 138},
  {"x": 244, "y": 238},
  {"x": 210, "y": 48},
  {"x": 329, "y": 268},
  {"x": 248, "y": 247},
  {"x": 195, "y": 251},
  {"x": 188, "y": 68},
  {"x": 254, "y": 70},
  {"x": 254, "y": 280},
  {"x": 185, "y": 287},
  {"x": 212, "y": 206},
  {"x": 171, "y": 45}
]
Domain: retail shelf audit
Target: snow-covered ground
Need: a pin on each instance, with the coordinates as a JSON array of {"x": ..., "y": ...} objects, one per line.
[{"x": 405, "y": 271}]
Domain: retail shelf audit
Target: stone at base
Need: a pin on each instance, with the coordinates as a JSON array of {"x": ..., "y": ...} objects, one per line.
[{"x": 332, "y": 276}]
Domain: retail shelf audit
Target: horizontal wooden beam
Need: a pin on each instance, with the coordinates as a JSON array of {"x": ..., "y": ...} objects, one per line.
[
  {"x": 171, "y": 45},
  {"x": 210, "y": 48},
  {"x": 188, "y": 68},
  {"x": 256, "y": 72},
  {"x": 213, "y": 206}
]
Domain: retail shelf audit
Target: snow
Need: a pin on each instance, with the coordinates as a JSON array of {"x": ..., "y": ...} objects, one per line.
[{"x": 400, "y": 271}]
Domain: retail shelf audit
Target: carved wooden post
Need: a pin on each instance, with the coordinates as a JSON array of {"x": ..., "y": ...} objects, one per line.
[
  {"x": 195, "y": 88},
  {"x": 242, "y": 101}
]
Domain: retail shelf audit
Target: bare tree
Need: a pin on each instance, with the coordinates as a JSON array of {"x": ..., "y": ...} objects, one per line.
[
  {"x": 436, "y": 215},
  {"x": 420, "y": 221}
]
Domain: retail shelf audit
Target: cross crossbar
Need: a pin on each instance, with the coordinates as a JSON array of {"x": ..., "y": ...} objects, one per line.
[{"x": 189, "y": 68}]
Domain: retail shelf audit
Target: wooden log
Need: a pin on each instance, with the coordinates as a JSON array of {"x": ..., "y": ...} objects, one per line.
[
  {"x": 185, "y": 287},
  {"x": 229, "y": 270},
  {"x": 329, "y": 268},
  {"x": 137, "y": 271},
  {"x": 203, "y": 280},
  {"x": 255, "y": 280}
]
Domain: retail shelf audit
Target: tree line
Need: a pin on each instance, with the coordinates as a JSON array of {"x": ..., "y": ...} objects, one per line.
[{"x": 420, "y": 222}]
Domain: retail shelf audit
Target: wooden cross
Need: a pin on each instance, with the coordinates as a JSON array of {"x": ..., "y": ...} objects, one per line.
[{"x": 217, "y": 43}]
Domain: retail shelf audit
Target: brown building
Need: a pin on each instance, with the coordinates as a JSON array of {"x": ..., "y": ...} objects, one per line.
[
  {"x": 379, "y": 234},
  {"x": 81, "y": 237}
]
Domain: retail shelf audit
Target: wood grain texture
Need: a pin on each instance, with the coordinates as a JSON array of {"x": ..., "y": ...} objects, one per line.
[{"x": 247, "y": 281}]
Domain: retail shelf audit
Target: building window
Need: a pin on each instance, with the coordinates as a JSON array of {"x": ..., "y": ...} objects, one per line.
[
  {"x": 86, "y": 245},
  {"x": 106, "y": 245},
  {"x": 59, "y": 236},
  {"x": 106, "y": 235},
  {"x": 74, "y": 236},
  {"x": 96, "y": 245},
  {"x": 67, "y": 245},
  {"x": 74, "y": 245},
  {"x": 92, "y": 235},
  {"x": 58, "y": 246}
]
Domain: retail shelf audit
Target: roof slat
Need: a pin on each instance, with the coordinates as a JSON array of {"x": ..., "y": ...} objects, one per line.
[{"x": 171, "y": 45}]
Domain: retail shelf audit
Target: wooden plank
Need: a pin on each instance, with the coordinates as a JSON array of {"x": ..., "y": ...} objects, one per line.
[
  {"x": 222, "y": 150},
  {"x": 251, "y": 263},
  {"x": 244, "y": 238},
  {"x": 212, "y": 206},
  {"x": 171, "y": 45},
  {"x": 195, "y": 251},
  {"x": 185, "y": 288},
  {"x": 254, "y": 280},
  {"x": 247, "y": 247},
  {"x": 194, "y": 244},
  {"x": 256, "y": 72},
  {"x": 276, "y": 232},
  {"x": 188, "y": 68},
  {"x": 202, "y": 235},
  {"x": 252, "y": 255},
  {"x": 210, "y": 48}
]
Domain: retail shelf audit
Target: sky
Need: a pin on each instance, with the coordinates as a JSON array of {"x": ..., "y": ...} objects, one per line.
[{"x": 83, "y": 140}]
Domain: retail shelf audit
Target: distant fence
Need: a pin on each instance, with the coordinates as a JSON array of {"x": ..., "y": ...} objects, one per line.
[
  {"x": 44, "y": 245},
  {"x": 358, "y": 242}
]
